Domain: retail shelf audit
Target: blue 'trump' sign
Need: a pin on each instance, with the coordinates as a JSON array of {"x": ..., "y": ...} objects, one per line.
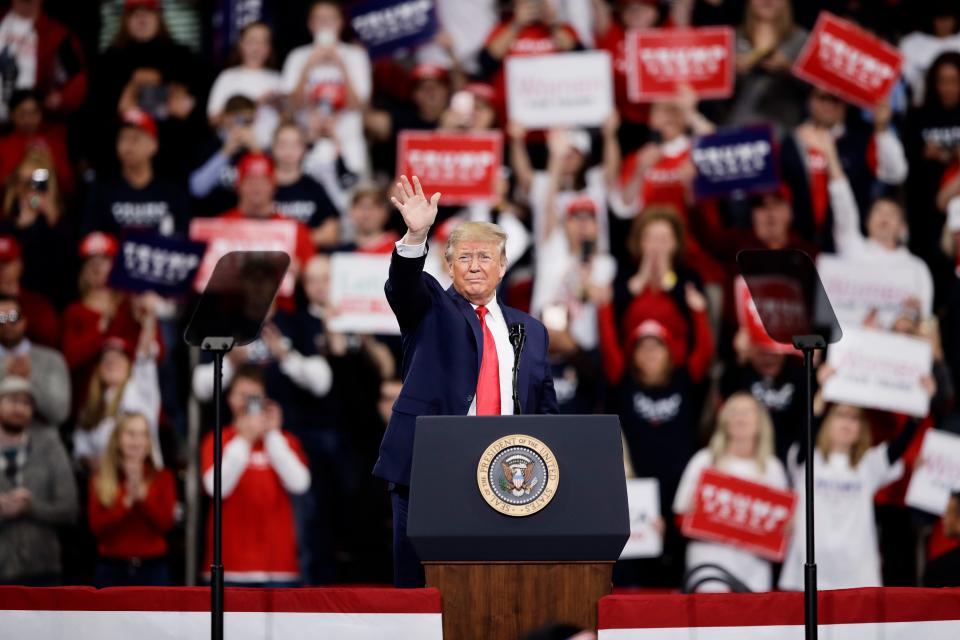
[
  {"x": 734, "y": 160},
  {"x": 387, "y": 25},
  {"x": 151, "y": 262}
]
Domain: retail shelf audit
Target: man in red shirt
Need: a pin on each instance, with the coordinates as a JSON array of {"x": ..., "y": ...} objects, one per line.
[
  {"x": 262, "y": 466},
  {"x": 532, "y": 30}
]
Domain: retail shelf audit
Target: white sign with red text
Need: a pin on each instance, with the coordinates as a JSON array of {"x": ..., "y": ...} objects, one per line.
[
  {"x": 356, "y": 294},
  {"x": 560, "y": 89},
  {"x": 880, "y": 370},
  {"x": 858, "y": 288},
  {"x": 224, "y": 235},
  {"x": 936, "y": 473}
]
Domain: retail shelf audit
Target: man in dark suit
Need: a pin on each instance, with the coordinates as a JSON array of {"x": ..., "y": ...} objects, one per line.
[{"x": 457, "y": 355}]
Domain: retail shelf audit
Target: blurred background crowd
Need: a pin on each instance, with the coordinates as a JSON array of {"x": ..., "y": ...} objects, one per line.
[{"x": 144, "y": 115}]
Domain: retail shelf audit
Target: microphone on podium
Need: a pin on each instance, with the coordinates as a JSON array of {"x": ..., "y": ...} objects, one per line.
[{"x": 517, "y": 337}]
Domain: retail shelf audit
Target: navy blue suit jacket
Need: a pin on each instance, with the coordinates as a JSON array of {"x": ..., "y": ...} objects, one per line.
[{"x": 442, "y": 348}]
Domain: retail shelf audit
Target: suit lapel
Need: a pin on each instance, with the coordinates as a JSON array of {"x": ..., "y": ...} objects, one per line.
[{"x": 471, "y": 316}]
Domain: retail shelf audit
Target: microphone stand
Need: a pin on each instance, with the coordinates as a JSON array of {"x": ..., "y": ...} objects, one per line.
[
  {"x": 808, "y": 344},
  {"x": 219, "y": 347},
  {"x": 518, "y": 336}
]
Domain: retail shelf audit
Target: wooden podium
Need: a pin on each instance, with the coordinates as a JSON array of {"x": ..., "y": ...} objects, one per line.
[
  {"x": 502, "y": 575},
  {"x": 483, "y": 600}
]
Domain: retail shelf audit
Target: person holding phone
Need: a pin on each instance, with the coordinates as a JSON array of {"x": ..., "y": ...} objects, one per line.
[
  {"x": 331, "y": 78},
  {"x": 263, "y": 466}
]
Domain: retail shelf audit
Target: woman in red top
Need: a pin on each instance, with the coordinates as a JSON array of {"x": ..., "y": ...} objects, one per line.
[
  {"x": 661, "y": 173},
  {"x": 99, "y": 313},
  {"x": 130, "y": 507}
]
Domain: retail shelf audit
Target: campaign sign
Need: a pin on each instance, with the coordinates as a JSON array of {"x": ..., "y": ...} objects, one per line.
[
  {"x": 560, "y": 89},
  {"x": 857, "y": 289},
  {"x": 385, "y": 26},
  {"x": 660, "y": 60},
  {"x": 937, "y": 472},
  {"x": 746, "y": 514},
  {"x": 643, "y": 505},
  {"x": 843, "y": 59},
  {"x": 356, "y": 294},
  {"x": 785, "y": 307},
  {"x": 734, "y": 160},
  {"x": 224, "y": 235},
  {"x": 880, "y": 370},
  {"x": 462, "y": 166},
  {"x": 166, "y": 265}
]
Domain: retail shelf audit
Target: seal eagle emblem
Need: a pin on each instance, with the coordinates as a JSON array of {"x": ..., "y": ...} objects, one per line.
[{"x": 518, "y": 475}]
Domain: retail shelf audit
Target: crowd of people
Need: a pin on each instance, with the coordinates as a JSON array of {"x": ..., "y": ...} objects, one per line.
[{"x": 155, "y": 113}]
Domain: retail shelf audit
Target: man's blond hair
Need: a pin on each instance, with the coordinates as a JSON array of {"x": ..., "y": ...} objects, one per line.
[{"x": 476, "y": 232}]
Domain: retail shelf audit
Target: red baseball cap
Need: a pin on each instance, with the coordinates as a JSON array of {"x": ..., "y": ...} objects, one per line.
[
  {"x": 139, "y": 119},
  {"x": 429, "y": 71},
  {"x": 582, "y": 204},
  {"x": 97, "y": 243},
  {"x": 151, "y": 5},
  {"x": 254, "y": 164},
  {"x": 651, "y": 328},
  {"x": 9, "y": 249}
]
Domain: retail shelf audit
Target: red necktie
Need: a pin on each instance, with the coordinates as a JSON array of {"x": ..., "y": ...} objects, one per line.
[{"x": 488, "y": 384}]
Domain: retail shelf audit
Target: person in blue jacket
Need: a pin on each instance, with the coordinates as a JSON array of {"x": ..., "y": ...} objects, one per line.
[{"x": 457, "y": 355}]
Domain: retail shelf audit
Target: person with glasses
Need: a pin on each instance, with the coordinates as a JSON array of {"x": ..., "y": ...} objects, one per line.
[
  {"x": 44, "y": 367},
  {"x": 457, "y": 356}
]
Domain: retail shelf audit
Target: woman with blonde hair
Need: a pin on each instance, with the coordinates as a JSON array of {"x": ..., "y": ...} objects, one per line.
[
  {"x": 849, "y": 471},
  {"x": 125, "y": 380},
  {"x": 131, "y": 508},
  {"x": 741, "y": 446}
]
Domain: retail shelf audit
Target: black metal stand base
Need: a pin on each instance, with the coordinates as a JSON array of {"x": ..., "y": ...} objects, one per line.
[{"x": 808, "y": 344}]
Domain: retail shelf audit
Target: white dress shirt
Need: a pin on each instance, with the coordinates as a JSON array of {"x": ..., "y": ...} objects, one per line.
[{"x": 501, "y": 338}]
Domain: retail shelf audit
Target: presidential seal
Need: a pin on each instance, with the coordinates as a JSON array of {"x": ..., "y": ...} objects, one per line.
[{"x": 518, "y": 475}]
